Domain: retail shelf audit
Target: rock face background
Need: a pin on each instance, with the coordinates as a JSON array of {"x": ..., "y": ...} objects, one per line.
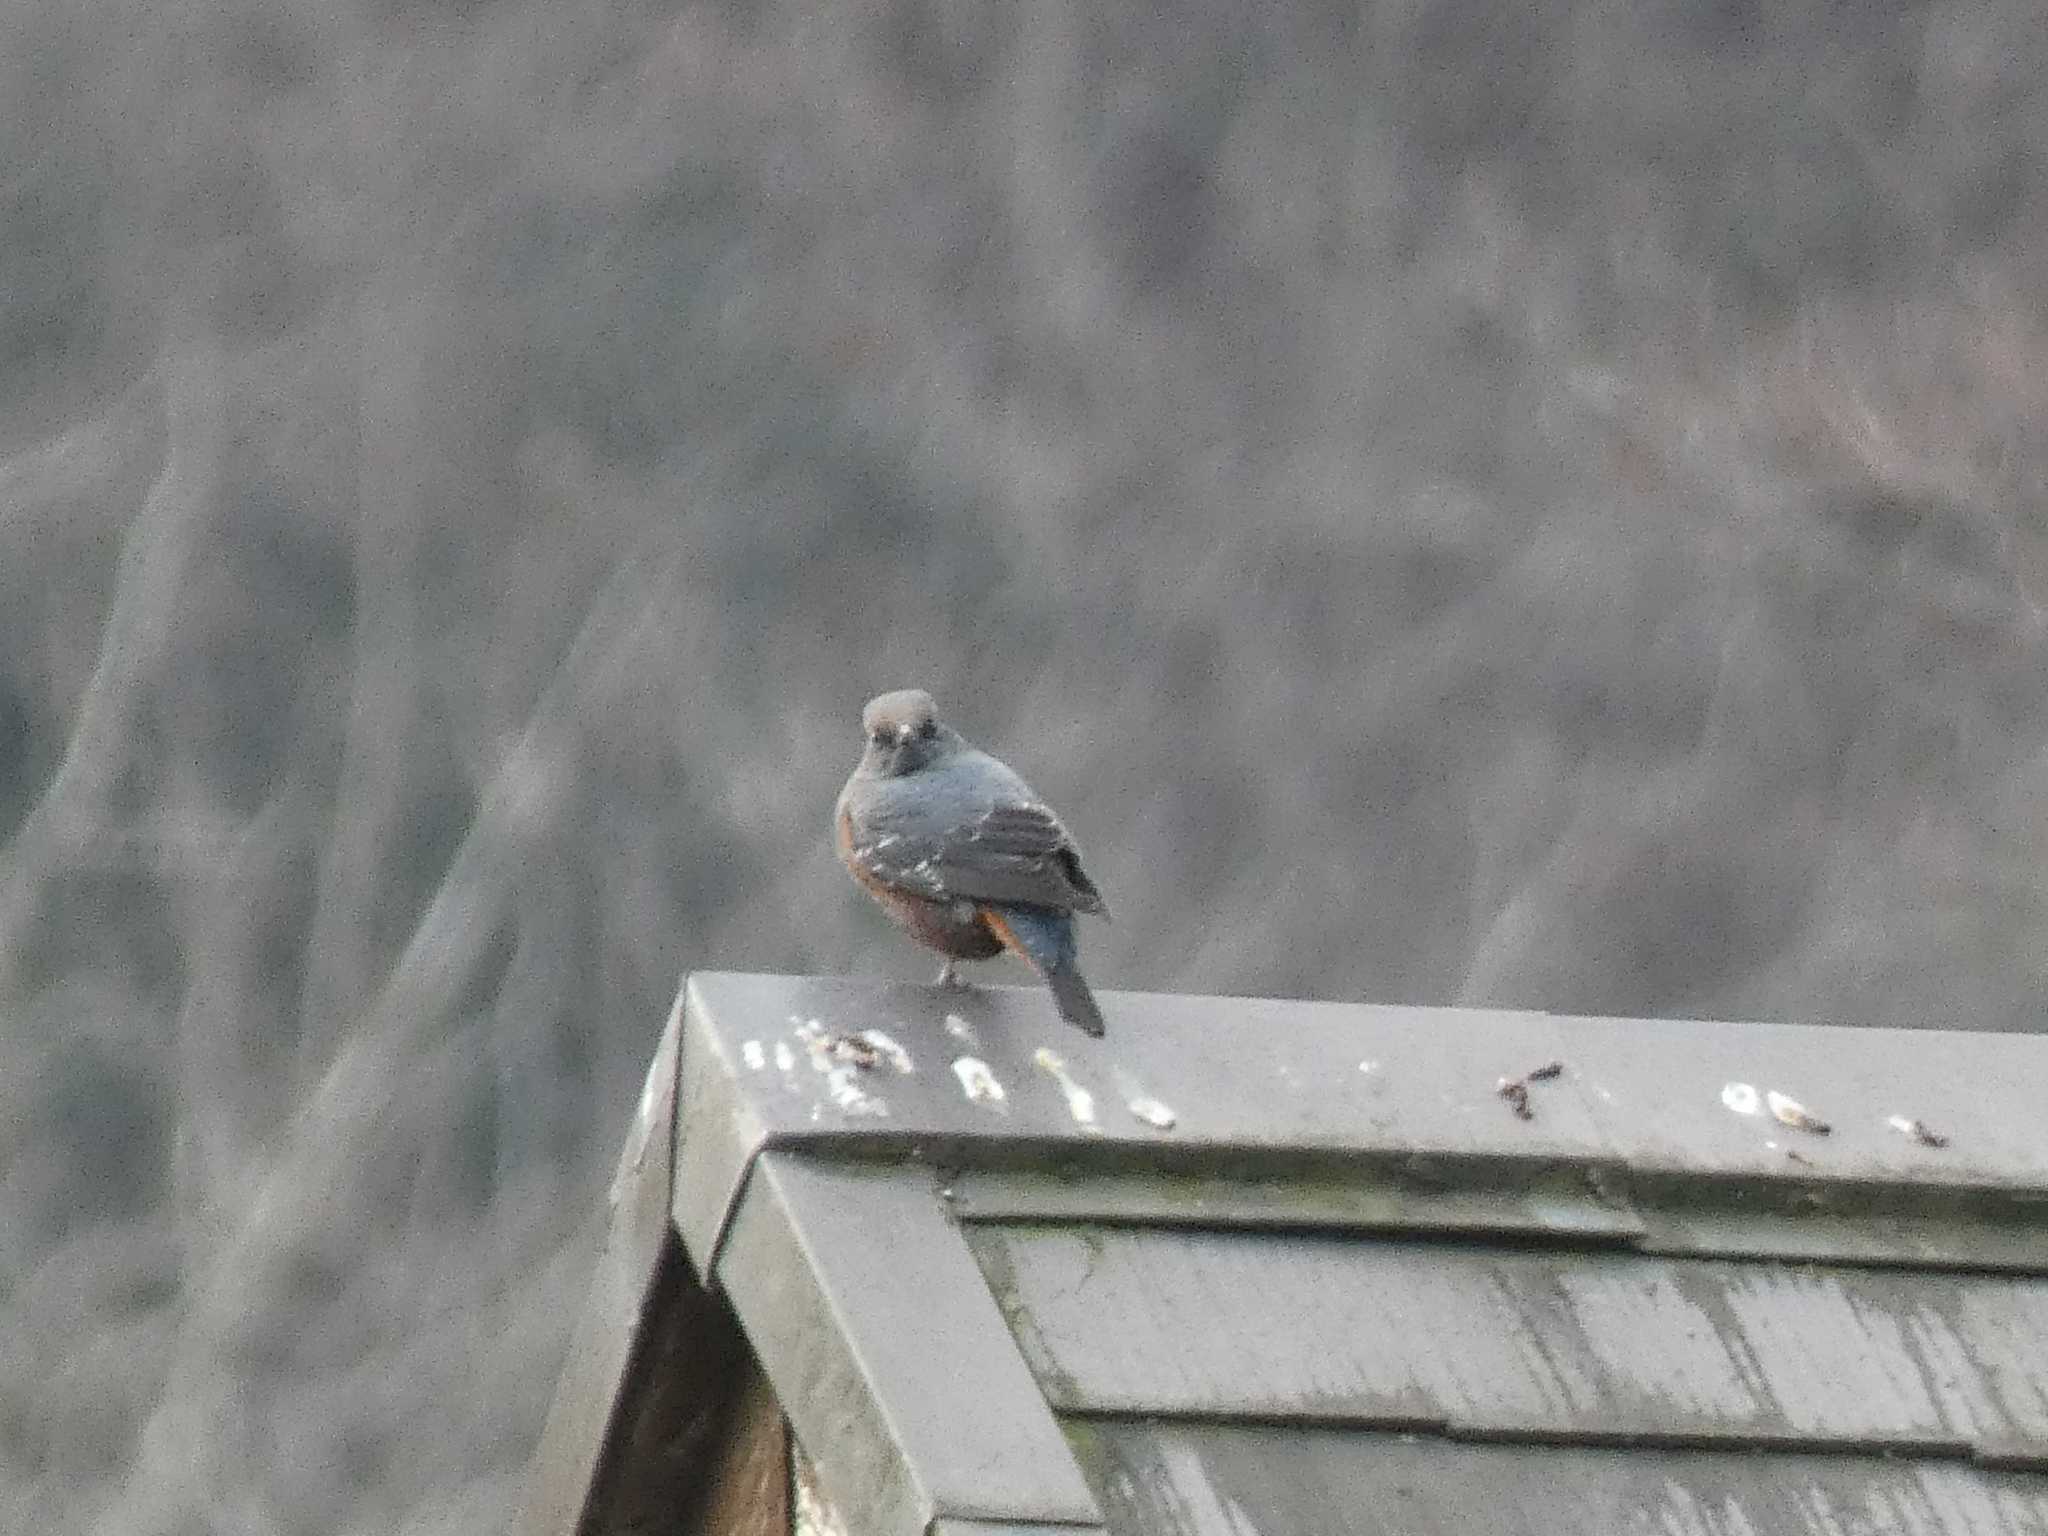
[{"x": 1457, "y": 500}]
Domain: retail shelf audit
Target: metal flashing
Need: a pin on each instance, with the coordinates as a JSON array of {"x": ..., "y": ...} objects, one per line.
[
  {"x": 1247, "y": 1091},
  {"x": 1556, "y": 1203},
  {"x": 891, "y": 1360}
]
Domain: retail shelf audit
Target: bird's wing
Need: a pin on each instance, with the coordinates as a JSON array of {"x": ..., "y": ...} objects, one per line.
[{"x": 1014, "y": 851}]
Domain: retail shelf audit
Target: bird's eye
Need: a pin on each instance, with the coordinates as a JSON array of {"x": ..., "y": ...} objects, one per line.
[
  {"x": 929, "y": 729},
  {"x": 879, "y": 739}
]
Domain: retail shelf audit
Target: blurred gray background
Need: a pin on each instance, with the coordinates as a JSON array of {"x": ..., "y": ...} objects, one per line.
[{"x": 1456, "y": 500}]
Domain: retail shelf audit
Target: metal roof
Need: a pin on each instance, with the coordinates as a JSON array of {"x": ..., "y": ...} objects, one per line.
[
  {"x": 1597, "y": 1347},
  {"x": 1224, "y": 1479},
  {"x": 1249, "y": 1266}
]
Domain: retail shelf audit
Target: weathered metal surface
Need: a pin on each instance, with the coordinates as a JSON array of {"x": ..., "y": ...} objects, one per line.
[
  {"x": 1987, "y": 1239},
  {"x": 760, "y": 1069},
  {"x": 1624, "y": 1375},
  {"x": 1556, "y": 1345},
  {"x": 1170, "y": 1479},
  {"x": 1663, "y": 1089},
  {"x": 1204, "y": 1080},
  {"x": 1261, "y": 1089},
  {"x": 1558, "y": 1202},
  {"x": 568, "y": 1463},
  {"x": 894, "y": 1366}
]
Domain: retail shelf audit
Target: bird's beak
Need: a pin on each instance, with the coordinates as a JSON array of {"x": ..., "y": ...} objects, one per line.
[{"x": 894, "y": 743}]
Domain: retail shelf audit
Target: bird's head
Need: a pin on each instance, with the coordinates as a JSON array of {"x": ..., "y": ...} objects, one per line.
[{"x": 904, "y": 733}]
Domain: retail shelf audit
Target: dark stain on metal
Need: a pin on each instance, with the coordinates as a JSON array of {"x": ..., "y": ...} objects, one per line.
[
  {"x": 1516, "y": 1092},
  {"x": 1516, "y": 1089}
]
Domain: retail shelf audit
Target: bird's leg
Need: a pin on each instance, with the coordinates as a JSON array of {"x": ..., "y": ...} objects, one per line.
[{"x": 949, "y": 975}]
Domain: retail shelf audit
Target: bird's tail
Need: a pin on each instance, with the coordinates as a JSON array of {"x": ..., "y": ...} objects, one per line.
[
  {"x": 1076, "y": 1002},
  {"x": 1044, "y": 937}
]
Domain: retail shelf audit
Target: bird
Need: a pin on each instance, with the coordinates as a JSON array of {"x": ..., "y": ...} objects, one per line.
[{"x": 958, "y": 849}]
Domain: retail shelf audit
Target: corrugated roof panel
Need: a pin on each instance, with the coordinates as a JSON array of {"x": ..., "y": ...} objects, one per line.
[
  {"x": 1592, "y": 1345},
  {"x": 1168, "y": 1479}
]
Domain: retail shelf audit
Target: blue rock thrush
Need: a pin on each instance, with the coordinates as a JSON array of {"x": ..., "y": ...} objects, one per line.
[{"x": 959, "y": 851}]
